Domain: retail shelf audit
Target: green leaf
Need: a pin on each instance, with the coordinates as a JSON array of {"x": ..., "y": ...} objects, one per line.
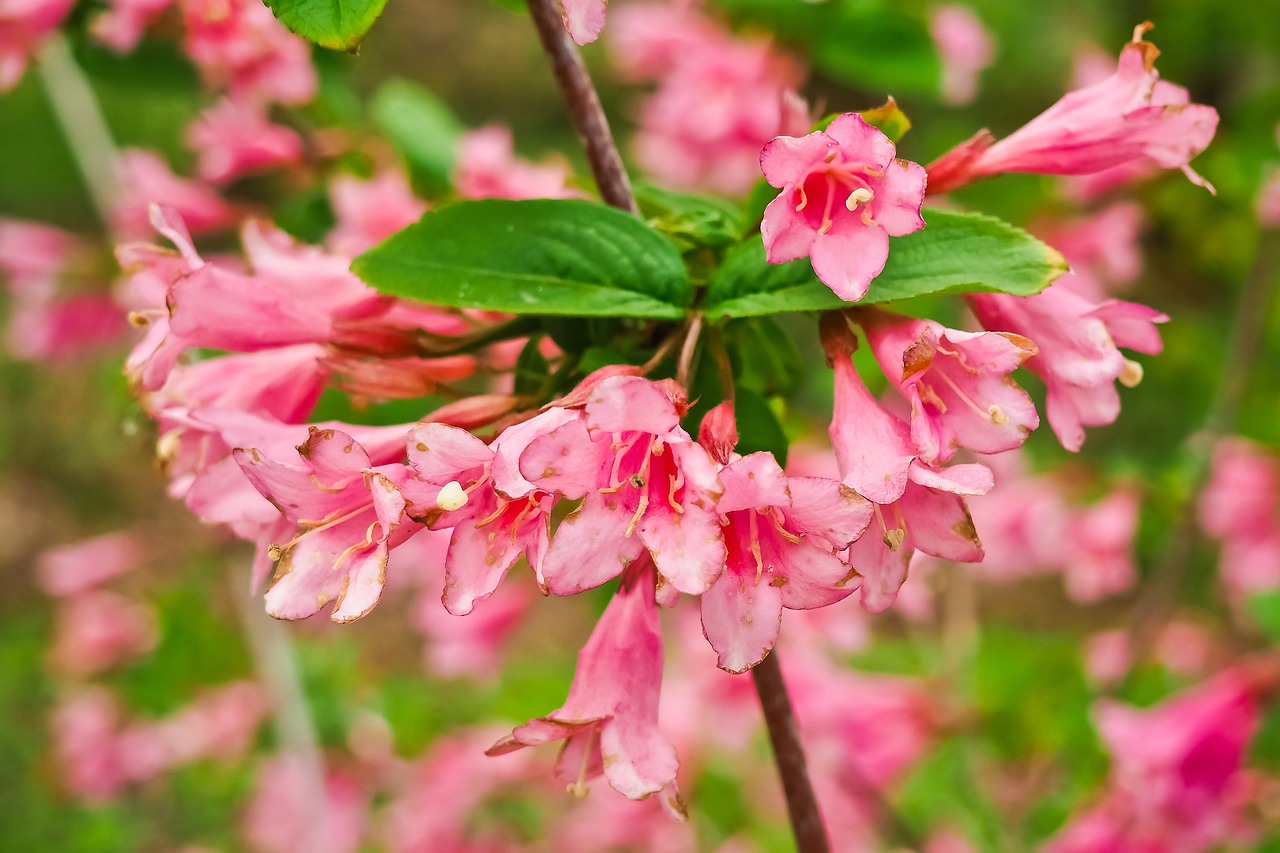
[
  {"x": 877, "y": 49},
  {"x": 697, "y": 219},
  {"x": 335, "y": 24},
  {"x": 955, "y": 252},
  {"x": 1264, "y": 608},
  {"x": 758, "y": 426},
  {"x": 889, "y": 118},
  {"x": 421, "y": 127},
  {"x": 540, "y": 256}
]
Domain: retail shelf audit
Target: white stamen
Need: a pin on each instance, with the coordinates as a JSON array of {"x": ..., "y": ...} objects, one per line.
[
  {"x": 1130, "y": 374},
  {"x": 451, "y": 497},
  {"x": 860, "y": 195}
]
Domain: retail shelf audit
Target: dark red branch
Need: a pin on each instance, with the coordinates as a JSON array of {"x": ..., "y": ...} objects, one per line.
[
  {"x": 802, "y": 805},
  {"x": 584, "y": 106}
]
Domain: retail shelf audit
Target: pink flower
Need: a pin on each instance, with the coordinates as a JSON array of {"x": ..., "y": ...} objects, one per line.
[
  {"x": 781, "y": 534},
  {"x": 145, "y": 179},
  {"x": 1177, "y": 780},
  {"x": 98, "y": 629},
  {"x": 235, "y": 138},
  {"x": 965, "y": 48},
  {"x": 121, "y": 27},
  {"x": 584, "y": 19},
  {"x": 69, "y": 570},
  {"x": 471, "y": 647},
  {"x": 720, "y": 97},
  {"x": 644, "y": 484},
  {"x": 1133, "y": 115},
  {"x": 240, "y": 46},
  {"x": 350, "y": 515},
  {"x": 1241, "y": 506},
  {"x": 1078, "y": 356},
  {"x": 1098, "y": 548},
  {"x": 284, "y": 816},
  {"x": 487, "y": 167},
  {"x": 609, "y": 722},
  {"x": 1102, "y": 248},
  {"x": 24, "y": 25},
  {"x": 1268, "y": 204},
  {"x": 957, "y": 383},
  {"x": 843, "y": 196},
  {"x": 370, "y": 211},
  {"x": 496, "y": 514}
]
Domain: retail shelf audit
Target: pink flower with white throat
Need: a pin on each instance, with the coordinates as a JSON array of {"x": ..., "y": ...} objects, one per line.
[
  {"x": 957, "y": 383},
  {"x": 645, "y": 486},
  {"x": 782, "y": 534},
  {"x": 844, "y": 194},
  {"x": 609, "y": 722},
  {"x": 350, "y": 516},
  {"x": 1078, "y": 353}
]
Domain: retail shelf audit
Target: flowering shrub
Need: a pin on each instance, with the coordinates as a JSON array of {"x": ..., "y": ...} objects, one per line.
[{"x": 646, "y": 451}]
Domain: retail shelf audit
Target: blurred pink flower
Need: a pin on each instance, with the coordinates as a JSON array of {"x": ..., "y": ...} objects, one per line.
[
  {"x": 370, "y": 211},
  {"x": 843, "y": 196},
  {"x": 97, "y": 630},
  {"x": 965, "y": 48},
  {"x": 1240, "y": 505},
  {"x": 235, "y": 138},
  {"x": 73, "y": 569},
  {"x": 720, "y": 97},
  {"x": 488, "y": 167},
  {"x": 145, "y": 179},
  {"x": 24, "y": 25},
  {"x": 123, "y": 24},
  {"x": 239, "y": 45},
  {"x": 284, "y": 817}
]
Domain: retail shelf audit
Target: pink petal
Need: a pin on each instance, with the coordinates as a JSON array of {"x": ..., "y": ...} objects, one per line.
[
  {"x": 590, "y": 547},
  {"x": 567, "y": 460},
  {"x": 849, "y": 256},
  {"x": 630, "y": 403},
  {"x": 741, "y": 619},
  {"x": 899, "y": 195},
  {"x": 686, "y": 547},
  {"x": 441, "y": 453},
  {"x": 850, "y": 130},
  {"x": 755, "y": 480},
  {"x": 826, "y": 508}
]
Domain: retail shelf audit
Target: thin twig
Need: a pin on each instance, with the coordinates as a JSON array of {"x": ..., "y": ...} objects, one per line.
[
  {"x": 788, "y": 753},
  {"x": 584, "y": 106},
  {"x": 86, "y": 131},
  {"x": 1247, "y": 331},
  {"x": 684, "y": 365}
]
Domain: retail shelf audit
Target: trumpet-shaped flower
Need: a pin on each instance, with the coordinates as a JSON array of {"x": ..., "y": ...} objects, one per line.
[
  {"x": 1132, "y": 116},
  {"x": 644, "y": 485},
  {"x": 957, "y": 383},
  {"x": 843, "y": 196},
  {"x": 781, "y": 534},
  {"x": 609, "y": 722}
]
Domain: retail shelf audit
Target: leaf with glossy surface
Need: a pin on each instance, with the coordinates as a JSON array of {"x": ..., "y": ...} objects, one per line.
[
  {"x": 335, "y": 24},
  {"x": 539, "y": 256},
  {"x": 956, "y": 252}
]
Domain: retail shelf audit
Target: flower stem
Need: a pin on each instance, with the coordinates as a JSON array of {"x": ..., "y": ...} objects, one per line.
[
  {"x": 77, "y": 111},
  {"x": 277, "y": 665},
  {"x": 584, "y": 106},
  {"x": 802, "y": 805}
]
